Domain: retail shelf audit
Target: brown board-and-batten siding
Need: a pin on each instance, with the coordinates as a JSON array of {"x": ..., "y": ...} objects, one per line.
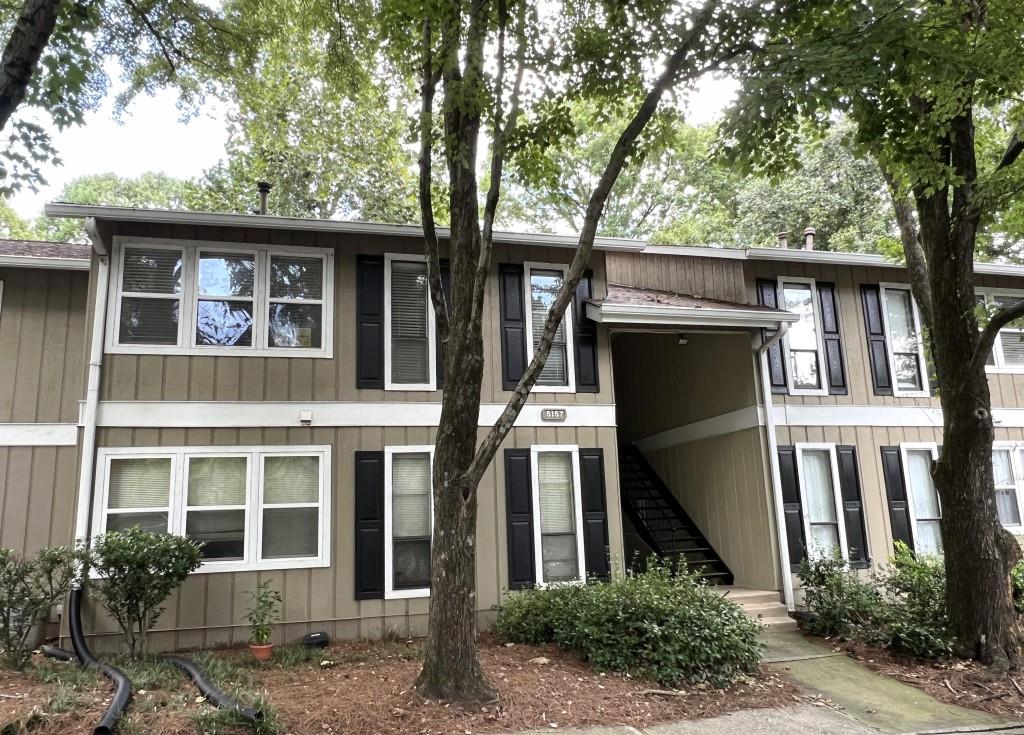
[
  {"x": 709, "y": 278},
  {"x": 209, "y": 609},
  {"x": 42, "y": 358}
]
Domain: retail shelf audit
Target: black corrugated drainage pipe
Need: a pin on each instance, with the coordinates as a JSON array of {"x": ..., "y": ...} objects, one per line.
[
  {"x": 122, "y": 687},
  {"x": 212, "y": 693}
]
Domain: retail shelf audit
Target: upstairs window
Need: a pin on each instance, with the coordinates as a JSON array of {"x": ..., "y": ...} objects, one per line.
[
  {"x": 219, "y": 298},
  {"x": 802, "y": 341},
  {"x": 904, "y": 344},
  {"x": 1008, "y": 350},
  {"x": 410, "y": 350},
  {"x": 542, "y": 285}
]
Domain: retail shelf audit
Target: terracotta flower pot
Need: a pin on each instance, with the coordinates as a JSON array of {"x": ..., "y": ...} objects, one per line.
[{"x": 262, "y": 653}]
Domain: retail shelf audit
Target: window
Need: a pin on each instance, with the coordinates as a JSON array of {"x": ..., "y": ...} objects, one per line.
[
  {"x": 821, "y": 500},
  {"x": 542, "y": 285},
  {"x": 803, "y": 339},
  {"x": 219, "y": 298},
  {"x": 925, "y": 511},
  {"x": 903, "y": 341},
  {"x": 408, "y": 521},
  {"x": 1008, "y": 351},
  {"x": 410, "y": 349},
  {"x": 1006, "y": 473},
  {"x": 251, "y": 508},
  {"x": 557, "y": 513}
]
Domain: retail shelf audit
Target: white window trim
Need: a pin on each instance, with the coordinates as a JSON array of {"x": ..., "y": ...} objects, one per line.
[
  {"x": 997, "y": 347},
  {"x": 390, "y": 593},
  {"x": 577, "y": 499},
  {"x": 178, "y": 498},
  {"x": 911, "y": 512},
  {"x": 1017, "y": 465},
  {"x": 816, "y": 311},
  {"x": 890, "y": 357},
  {"x": 188, "y": 299},
  {"x": 389, "y": 384},
  {"x": 570, "y": 334},
  {"x": 837, "y": 495}
]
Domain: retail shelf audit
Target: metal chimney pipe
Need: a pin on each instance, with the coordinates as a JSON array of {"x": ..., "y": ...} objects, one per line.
[
  {"x": 263, "y": 187},
  {"x": 809, "y": 234},
  {"x": 783, "y": 240}
]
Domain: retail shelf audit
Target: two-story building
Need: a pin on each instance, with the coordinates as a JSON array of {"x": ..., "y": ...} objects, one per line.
[{"x": 271, "y": 387}]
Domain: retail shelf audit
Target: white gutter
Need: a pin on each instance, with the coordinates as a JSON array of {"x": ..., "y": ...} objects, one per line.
[
  {"x": 761, "y": 351},
  {"x": 32, "y": 261},
  {"x": 92, "y": 394},
  {"x": 612, "y": 313}
]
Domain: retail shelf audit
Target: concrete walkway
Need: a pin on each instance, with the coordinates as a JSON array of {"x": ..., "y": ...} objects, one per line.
[{"x": 839, "y": 697}]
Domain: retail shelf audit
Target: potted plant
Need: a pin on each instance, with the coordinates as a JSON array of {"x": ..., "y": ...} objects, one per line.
[{"x": 262, "y": 614}]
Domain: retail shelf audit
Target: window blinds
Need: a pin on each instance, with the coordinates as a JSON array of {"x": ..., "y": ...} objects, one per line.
[
  {"x": 410, "y": 344},
  {"x": 557, "y": 517},
  {"x": 291, "y": 480},
  {"x": 217, "y": 480},
  {"x": 544, "y": 287},
  {"x": 139, "y": 483}
]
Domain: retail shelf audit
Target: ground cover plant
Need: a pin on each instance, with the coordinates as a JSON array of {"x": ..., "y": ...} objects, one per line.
[
  {"x": 29, "y": 587},
  {"x": 660, "y": 623}
]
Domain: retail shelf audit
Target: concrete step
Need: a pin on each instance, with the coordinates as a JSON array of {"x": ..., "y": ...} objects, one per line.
[
  {"x": 745, "y": 596},
  {"x": 778, "y": 623}
]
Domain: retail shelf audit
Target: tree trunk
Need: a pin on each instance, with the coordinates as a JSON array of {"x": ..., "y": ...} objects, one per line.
[
  {"x": 21, "y": 54},
  {"x": 979, "y": 553}
]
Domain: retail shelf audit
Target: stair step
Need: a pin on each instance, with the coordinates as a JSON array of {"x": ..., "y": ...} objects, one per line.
[
  {"x": 779, "y": 623},
  {"x": 744, "y": 596}
]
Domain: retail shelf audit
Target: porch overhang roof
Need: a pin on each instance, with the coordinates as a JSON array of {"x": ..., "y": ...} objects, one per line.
[{"x": 627, "y": 305}]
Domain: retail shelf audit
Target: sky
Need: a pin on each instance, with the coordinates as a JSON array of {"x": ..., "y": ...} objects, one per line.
[{"x": 152, "y": 137}]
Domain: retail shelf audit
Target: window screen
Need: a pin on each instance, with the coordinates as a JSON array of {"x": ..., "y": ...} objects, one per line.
[
  {"x": 150, "y": 296},
  {"x": 557, "y": 517},
  {"x": 410, "y": 520}
]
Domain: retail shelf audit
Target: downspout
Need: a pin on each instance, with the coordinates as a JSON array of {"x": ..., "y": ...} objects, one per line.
[
  {"x": 92, "y": 392},
  {"x": 761, "y": 350}
]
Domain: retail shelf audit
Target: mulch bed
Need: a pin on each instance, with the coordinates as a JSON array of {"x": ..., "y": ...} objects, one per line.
[
  {"x": 366, "y": 688},
  {"x": 952, "y": 681},
  {"x": 539, "y": 687}
]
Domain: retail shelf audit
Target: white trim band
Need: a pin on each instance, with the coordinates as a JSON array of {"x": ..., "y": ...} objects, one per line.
[
  {"x": 38, "y": 435},
  {"x": 186, "y": 414},
  {"x": 32, "y": 261},
  {"x": 611, "y": 313}
]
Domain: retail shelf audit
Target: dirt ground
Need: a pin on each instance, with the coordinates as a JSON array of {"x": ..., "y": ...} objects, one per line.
[
  {"x": 952, "y": 681},
  {"x": 366, "y": 688}
]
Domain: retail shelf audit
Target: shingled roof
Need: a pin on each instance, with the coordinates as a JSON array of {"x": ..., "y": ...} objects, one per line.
[{"x": 43, "y": 249}]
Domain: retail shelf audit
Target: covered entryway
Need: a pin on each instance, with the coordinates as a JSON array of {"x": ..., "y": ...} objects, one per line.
[{"x": 694, "y": 467}]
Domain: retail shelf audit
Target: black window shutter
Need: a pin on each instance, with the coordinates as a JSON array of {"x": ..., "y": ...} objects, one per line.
[
  {"x": 519, "y": 509},
  {"x": 896, "y": 493},
  {"x": 791, "y": 506},
  {"x": 513, "y": 324},
  {"x": 369, "y": 536},
  {"x": 370, "y": 321},
  {"x": 585, "y": 337},
  {"x": 853, "y": 506},
  {"x": 595, "y": 513},
  {"x": 878, "y": 356},
  {"x": 835, "y": 373},
  {"x": 767, "y": 295},
  {"x": 446, "y": 286}
]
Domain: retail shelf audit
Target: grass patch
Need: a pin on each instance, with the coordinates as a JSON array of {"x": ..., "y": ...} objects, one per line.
[
  {"x": 151, "y": 672},
  {"x": 68, "y": 674},
  {"x": 64, "y": 698},
  {"x": 213, "y": 721}
]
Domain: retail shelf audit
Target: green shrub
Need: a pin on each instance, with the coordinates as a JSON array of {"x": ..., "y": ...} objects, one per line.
[
  {"x": 841, "y": 602},
  {"x": 916, "y": 586},
  {"x": 138, "y": 570},
  {"x": 666, "y": 626},
  {"x": 262, "y": 613},
  {"x": 1017, "y": 578},
  {"x": 29, "y": 587}
]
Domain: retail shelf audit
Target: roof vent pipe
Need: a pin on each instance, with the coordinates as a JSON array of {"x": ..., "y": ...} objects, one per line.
[
  {"x": 809, "y": 234},
  {"x": 783, "y": 240},
  {"x": 263, "y": 187}
]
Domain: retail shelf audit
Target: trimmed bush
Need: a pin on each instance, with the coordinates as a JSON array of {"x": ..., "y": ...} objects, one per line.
[
  {"x": 902, "y": 607},
  {"x": 658, "y": 624},
  {"x": 138, "y": 570},
  {"x": 843, "y": 604},
  {"x": 29, "y": 587}
]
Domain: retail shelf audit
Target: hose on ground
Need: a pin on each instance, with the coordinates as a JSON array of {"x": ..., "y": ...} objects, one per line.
[{"x": 212, "y": 693}]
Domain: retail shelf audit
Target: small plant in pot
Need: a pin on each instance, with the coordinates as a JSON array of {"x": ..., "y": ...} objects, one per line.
[{"x": 263, "y": 612}]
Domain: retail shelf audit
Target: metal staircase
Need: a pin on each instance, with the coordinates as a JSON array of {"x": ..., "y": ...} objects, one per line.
[{"x": 661, "y": 522}]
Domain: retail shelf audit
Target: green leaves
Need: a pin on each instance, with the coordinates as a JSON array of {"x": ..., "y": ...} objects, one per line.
[
  {"x": 137, "y": 571},
  {"x": 263, "y": 612}
]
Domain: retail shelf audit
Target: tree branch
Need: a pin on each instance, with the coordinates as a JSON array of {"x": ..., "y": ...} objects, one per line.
[
  {"x": 24, "y": 47},
  {"x": 988, "y": 335},
  {"x": 1014, "y": 147},
  {"x": 917, "y": 261},
  {"x": 623, "y": 147},
  {"x": 157, "y": 36},
  {"x": 426, "y": 195}
]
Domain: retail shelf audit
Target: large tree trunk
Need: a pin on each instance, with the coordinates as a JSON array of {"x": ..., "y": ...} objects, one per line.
[
  {"x": 21, "y": 54},
  {"x": 979, "y": 553}
]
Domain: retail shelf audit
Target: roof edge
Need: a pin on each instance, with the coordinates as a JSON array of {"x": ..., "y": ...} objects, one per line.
[{"x": 45, "y": 263}]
